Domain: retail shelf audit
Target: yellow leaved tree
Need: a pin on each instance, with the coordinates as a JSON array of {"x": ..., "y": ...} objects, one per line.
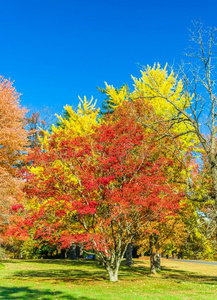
[
  {"x": 153, "y": 89},
  {"x": 175, "y": 135}
]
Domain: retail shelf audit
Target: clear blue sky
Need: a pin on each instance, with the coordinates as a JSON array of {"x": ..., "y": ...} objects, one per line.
[{"x": 57, "y": 50}]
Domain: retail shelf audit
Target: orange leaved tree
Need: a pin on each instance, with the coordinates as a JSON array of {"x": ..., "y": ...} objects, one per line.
[{"x": 13, "y": 140}]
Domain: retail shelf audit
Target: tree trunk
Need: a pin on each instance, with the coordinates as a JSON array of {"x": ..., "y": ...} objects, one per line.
[
  {"x": 63, "y": 254},
  {"x": 81, "y": 254},
  {"x": 72, "y": 252},
  {"x": 158, "y": 261},
  {"x": 155, "y": 262},
  {"x": 113, "y": 274},
  {"x": 129, "y": 255},
  {"x": 213, "y": 167},
  {"x": 77, "y": 251},
  {"x": 152, "y": 264},
  {"x": 155, "y": 258},
  {"x": 112, "y": 267}
]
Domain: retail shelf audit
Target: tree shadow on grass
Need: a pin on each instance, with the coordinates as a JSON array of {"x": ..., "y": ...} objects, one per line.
[
  {"x": 84, "y": 271},
  {"x": 78, "y": 261},
  {"x": 181, "y": 276},
  {"x": 26, "y": 293},
  {"x": 62, "y": 275},
  {"x": 60, "y": 262},
  {"x": 138, "y": 270},
  {"x": 10, "y": 261},
  {"x": 135, "y": 271},
  {"x": 79, "y": 271},
  {"x": 50, "y": 261}
]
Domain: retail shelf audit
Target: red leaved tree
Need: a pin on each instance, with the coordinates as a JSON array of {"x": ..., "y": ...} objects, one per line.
[{"x": 100, "y": 190}]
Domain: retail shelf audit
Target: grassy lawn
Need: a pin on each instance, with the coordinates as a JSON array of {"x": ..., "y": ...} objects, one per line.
[{"x": 85, "y": 280}]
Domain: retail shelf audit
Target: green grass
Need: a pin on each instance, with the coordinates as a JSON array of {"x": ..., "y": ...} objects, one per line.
[{"x": 85, "y": 280}]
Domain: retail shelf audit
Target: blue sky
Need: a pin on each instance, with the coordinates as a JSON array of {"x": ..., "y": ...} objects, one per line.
[{"x": 57, "y": 50}]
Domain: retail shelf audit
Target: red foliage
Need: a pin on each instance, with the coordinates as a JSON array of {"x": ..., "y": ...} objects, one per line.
[
  {"x": 107, "y": 187},
  {"x": 17, "y": 207}
]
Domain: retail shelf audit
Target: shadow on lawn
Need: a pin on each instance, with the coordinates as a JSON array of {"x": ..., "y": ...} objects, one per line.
[
  {"x": 85, "y": 271},
  {"x": 60, "y": 262},
  {"x": 77, "y": 271},
  {"x": 49, "y": 261},
  {"x": 10, "y": 261},
  {"x": 63, "y": 275},
  {"x": 26, "y": 293},
  {"x": 167, "y": 273},
  {"x": 181, "y": 276},
  {"x": 90, "y": 271}
]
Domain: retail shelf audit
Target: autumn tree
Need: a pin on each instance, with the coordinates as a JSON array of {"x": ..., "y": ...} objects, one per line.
[
  {"x": 197, "y": 115},
  {"x": 187, "y": 108},
  {"x": 154, "y": 113},
  {"x": 13, "y": 141},
  {"x": 100, "y": 188}
]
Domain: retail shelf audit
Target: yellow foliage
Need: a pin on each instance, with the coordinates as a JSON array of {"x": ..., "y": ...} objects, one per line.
[
  {"x": 116, "y": 98},
  {"x": 80, "y": 122},
  {"x": 38, "y": 171},
  {"x": 155, "y": 87}
]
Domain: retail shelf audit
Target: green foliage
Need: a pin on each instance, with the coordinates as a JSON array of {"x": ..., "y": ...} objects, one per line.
[{"x": 32, "y": 250}]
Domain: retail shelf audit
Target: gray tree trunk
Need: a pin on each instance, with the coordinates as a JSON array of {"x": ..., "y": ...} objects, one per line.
[
  {"x": 81, "y": 254},
  {"x": 72, "y": 252},
  {"x": 129, "y": 255},
  {"x": 155, "y": 262},
  {"x": 113, "y": 273},
  {"x": 155, "y": 257},
  {"x": 152, "y": 264}
]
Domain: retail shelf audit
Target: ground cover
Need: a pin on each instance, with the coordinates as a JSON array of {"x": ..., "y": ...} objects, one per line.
[{"x": 86, "y": 280}]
